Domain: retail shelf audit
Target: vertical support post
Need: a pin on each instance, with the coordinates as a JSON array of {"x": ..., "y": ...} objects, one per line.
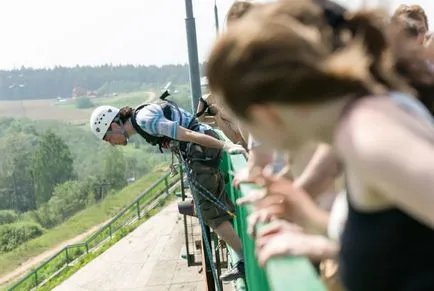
[
  {"x": 87, "y": 248},
  {"x": 36, "y": 278},
  {"x": 187, "y": 245},
  {"x": 110, "y": 230},
  {"x": 181, "y": 175},
  {"x": 138, "y": 209},
  {"x": 216, "y": 17},
  {"x": 67, "y": 255},
  {"x": 205, "y": 263},
  {"x": 193, "y": 59},
  {"x": 166, "y": 185}
]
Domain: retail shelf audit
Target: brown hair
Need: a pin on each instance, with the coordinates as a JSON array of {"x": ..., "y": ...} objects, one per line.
[
  {"x": 286, "y": 52},
  {"x": 238, "y": 10},
  {"x": 125, "y": 113},
  {"x": 412, "y": 12}
]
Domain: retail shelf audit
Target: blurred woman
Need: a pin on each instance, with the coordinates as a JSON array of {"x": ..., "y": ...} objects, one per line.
[{"x": 341, "y": 80}]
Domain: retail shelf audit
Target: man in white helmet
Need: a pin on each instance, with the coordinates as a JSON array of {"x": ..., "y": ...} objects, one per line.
[{"x": 164, "y": 122}]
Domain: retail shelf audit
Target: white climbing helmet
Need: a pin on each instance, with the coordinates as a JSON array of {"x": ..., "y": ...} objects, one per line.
[{"x": 101, "y": 119}]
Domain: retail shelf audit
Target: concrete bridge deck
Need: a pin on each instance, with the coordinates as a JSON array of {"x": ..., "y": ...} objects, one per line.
[{"x": 148, "y": 259}]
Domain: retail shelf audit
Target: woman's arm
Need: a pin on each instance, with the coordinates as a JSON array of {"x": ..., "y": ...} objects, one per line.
[{"x": 320, "y": 172}]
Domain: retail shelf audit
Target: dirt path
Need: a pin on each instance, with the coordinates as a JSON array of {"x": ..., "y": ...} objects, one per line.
[{"x": 33, "y": 262}]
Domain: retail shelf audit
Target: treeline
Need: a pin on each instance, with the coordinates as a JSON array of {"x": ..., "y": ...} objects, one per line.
[
  {"x": 27, "y": 83},
  {"x": 50, "y": 170}
]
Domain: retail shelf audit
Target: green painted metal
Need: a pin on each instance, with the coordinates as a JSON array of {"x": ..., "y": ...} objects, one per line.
[
  {"x": 280, "y": 274},
  {"x": 64, "y": 256}
]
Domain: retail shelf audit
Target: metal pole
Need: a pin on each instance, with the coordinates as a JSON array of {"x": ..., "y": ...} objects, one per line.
[
  {"x": 210, "y": 284},
  {"x": 216, "y": 17},
  {"x": 193, "y": 59}
]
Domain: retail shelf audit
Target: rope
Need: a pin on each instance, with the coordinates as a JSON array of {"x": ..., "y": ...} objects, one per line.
[
  {"x": 207, "y": 243},
  {"x": 202, "y": 190},
  {"x": 207, "y": 194}
]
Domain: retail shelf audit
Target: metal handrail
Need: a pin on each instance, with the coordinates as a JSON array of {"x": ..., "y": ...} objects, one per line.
[{"x": 34, "y": 279}]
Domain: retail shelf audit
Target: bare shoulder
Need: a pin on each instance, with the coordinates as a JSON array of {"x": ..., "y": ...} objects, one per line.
[{"x": 375, "y": 126}]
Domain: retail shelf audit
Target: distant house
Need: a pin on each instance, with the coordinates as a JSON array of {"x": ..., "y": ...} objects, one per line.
[
  {"x": 81, "y": 92},
  {"x": 78, "y": 92},
  {"x": 91, "y": 94}
]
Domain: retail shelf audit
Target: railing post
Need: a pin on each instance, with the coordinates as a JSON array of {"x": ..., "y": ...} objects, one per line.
[
  {"x": 87, "y": 247},
  {"x": 67, "y": 255},
  {"x": 110, "y": 230},
  {"x": 181, "y": 176},
  {"x": 166, "y": 184},
  {"x": 138, "y": 209},
  {"x": 210, "y": 284},
  {"x": 36, "y": 278}
]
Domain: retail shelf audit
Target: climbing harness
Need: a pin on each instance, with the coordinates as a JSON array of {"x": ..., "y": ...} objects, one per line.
[{"x": 199, "y": 187}]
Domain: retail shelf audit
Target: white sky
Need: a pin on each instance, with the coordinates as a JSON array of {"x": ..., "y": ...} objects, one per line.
[{"x": 45, "y": 33}]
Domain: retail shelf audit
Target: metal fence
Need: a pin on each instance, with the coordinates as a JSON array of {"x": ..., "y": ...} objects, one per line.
[{"x": 133, "y": 212}]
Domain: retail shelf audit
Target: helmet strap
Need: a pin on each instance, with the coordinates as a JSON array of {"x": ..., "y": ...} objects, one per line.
[{"x": 123, "y": 130}]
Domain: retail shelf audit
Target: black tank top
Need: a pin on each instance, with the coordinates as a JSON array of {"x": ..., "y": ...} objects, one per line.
[{"x": 386, "y": 251}]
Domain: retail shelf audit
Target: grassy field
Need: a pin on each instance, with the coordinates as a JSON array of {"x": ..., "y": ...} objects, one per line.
[
  {"x": 50, "y": 109},
  {"x": 77, "y": 224}
]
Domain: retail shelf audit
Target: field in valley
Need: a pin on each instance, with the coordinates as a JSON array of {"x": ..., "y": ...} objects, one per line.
[{"x": 51, "y": 109}]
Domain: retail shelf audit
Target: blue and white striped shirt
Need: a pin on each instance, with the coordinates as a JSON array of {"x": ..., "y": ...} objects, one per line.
[{"x": 152, "y": 120}]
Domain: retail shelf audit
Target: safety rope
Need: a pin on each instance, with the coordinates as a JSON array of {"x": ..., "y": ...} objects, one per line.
[
  {"x": 208, "y": 195},
  {"x": 202, "y": 190},
  {"x": 207, "y": 243}
]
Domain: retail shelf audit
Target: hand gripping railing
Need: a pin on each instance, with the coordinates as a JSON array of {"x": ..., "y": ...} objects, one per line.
[{"x": 280, "y": 274}]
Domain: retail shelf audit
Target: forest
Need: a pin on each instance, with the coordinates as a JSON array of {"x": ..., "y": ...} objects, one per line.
[
  {"x": 28, "y": 83},
  {"x": 50, "y": 170}
]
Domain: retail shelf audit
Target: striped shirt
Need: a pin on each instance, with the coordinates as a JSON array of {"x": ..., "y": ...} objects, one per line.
[{"x": 152, "y": 120}]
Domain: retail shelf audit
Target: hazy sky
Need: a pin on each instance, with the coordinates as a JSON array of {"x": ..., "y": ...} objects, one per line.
[{"x": 45, "y": 33}]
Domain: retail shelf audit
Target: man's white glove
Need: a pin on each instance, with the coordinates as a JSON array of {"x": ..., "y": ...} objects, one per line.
[{"x": 233, "y": 149}]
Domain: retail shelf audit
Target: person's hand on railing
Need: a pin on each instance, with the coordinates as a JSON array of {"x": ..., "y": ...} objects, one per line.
[
  {"x": 234, "y": 149},
  {"x": 279, "y": 199},
  {"x": 246, "y": 175},
  {"x": 281, "y": 238}
]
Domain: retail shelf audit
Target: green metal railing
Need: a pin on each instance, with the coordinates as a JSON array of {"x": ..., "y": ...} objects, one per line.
[
  {"x": 137, "y": 209},
  {"x": 280, "y": 274}
]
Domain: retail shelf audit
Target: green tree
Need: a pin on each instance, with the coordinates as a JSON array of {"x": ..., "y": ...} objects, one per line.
[
  {"x": 114, "y": 167},
  {"x": 16, "y": 181},
  {"x": 52, "y": 164},
  {"x": 83, "y": 103},
  {"x": 68, "y": 198},
  {"x": 14, "y": 234}
]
